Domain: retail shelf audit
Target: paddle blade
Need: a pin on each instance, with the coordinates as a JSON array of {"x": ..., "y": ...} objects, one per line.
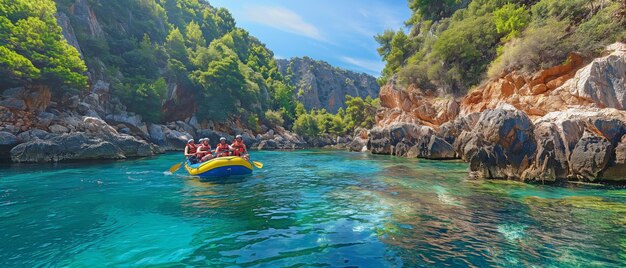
[
  {"x": 174, "y": 168},
  {"x": 257, "y": 164}
]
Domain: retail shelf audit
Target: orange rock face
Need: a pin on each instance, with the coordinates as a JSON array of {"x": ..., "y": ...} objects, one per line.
[
  {"x": 536, "y": 94},
  {"x": 411, "y": 105}
]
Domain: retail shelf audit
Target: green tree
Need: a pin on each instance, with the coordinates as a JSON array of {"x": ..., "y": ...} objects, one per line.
[
  {"x": 32, "y": 48},
  {"x": 175, "y": 46},
  {"x": 221, "y": 87},
  {"x": 145, "y": 99},
  {"x": 306, "y": 125},
  {"x": 510, "y": 20},
  {"x": 360, "y": 112},
  {"x": 193, "y": 35},
  {"x": 435, "y": 9}
]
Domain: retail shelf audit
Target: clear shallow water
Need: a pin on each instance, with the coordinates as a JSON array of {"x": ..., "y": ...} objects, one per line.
[{"x": 305, "y": 208}]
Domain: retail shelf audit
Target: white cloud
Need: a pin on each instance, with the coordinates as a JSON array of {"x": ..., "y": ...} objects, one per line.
[
  {"x": 283, "y": 19},
  {"x": 374, "y": 67}
]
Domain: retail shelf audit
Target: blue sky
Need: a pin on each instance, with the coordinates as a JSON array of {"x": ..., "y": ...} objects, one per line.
[{"x": 339, "y": 32}]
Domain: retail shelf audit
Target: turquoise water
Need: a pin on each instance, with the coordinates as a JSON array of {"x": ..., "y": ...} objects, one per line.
[{"x": 304, "y": 208}]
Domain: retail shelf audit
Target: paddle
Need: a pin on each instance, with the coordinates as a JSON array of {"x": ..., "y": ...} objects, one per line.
[
  {"x": 175, "y": 167},
  {"x": 257, "y": 164}
]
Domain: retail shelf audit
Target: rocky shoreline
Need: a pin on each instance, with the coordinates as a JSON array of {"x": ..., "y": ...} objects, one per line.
[
  {"x": 566, "y": 123},
  {"x": 34, "y": 128}
]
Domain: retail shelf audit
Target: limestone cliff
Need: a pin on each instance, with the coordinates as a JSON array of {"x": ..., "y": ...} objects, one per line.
[
  {"x": 565, "y": 122},
  {"x": 320, "y": 85}
]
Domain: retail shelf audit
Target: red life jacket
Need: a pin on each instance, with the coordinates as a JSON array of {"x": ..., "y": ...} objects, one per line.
[
  {"x": 192, "y": 148},
  {"x": 222, "y": 147},
  {"x": 238, "y": 148},
  {"x": 206, "y": 149}
]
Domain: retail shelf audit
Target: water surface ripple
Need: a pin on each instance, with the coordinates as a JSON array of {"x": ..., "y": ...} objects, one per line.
[{"x": 305, "y": 208}]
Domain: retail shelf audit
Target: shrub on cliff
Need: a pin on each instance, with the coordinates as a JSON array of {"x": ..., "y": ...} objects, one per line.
[
  {"x": 558, "y": 28},
  {"x": 535, "y": 48},
  {"x": 274, "y": 118},
  {"x": 451, "y": 45}
]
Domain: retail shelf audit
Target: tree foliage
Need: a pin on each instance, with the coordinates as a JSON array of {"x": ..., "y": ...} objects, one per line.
[
  {"x": 32, "y": 47},
  {"x": 359, "y": 113},
  {"x": 196, "y": 48},
  {"x": 452, "y": 45}
]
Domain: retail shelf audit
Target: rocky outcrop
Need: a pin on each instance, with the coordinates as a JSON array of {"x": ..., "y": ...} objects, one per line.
[
  {"x": 281, "y": 139},
  {"x": 412, "y": 105},
  {"x": 410, "y": 140},
  {"x": 603, "y": 81},
  {"x": 74, "y": 146},
  {"x": 360, "y": 140},
  {"x": 93, "y": 139},
  {"x": 562, "y": 123},
  {"x": 7, "y": 142},
  {"x": 576, "y": 144},
  {"x": 536, "y": 94},
  {"x": 501, "y": 145},
  {"x": 320, "y": 85}
]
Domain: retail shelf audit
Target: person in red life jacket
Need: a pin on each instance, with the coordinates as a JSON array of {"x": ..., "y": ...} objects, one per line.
[
  {"x": 191, "y": 149},
  {"x": 239, "y": 148},
  {"x": 205, "y": 150},
  {"x": 222, "y": 148}
]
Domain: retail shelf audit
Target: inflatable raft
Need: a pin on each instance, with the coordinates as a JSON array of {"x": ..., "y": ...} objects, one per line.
[{"x": 220, "y": 167}]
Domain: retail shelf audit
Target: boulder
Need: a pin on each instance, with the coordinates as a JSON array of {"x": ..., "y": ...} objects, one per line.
[
  {"x": 34, "y": 134},
  {"x": 501, "y": 145},
  {"x": 590, "y": 156},
  {"x": 73, "y": 146},
  {"x": 131, "y": 146},
  {"x": 131, "y": 120},
  {"x": 617, "y": 169},
  {"x": 559, "y": 134},
  {"x": 44, "y": 119},
  {"x": 451, "y": 130},
  {"x": 267, "y": 145},
  {"x": 379, "y": 142},
  {"x": 16, "y": 92},
  {"x": 98, "y": 127},
  {"x": 13, "y": 103},
  {"x": 603, "y": 81},
  {"x": 184, "y": 127},
  {"x": 438, "y": 148},
  {"x": 93, "y": 101},
  {"x": 175, "y": 140},
  {"x": 620, "y": 151},
  {"x": 58, "y": 129},
  {"x": 157, "y": 134},
  {"x": 358, "y": 145},
  {"x": 402, "y": 148},
  {"x": 72, "y": 101},
  {"x": 7, "y": 142}
]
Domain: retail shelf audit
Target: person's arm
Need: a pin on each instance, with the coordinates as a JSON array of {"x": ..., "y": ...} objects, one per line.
[{"x": 187, "y": 151}]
